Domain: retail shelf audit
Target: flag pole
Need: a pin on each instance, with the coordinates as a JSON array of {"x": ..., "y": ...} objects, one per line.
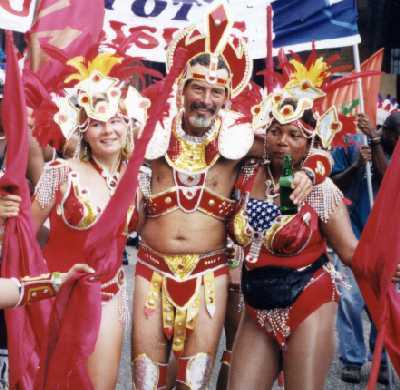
[
  {"x": 357, "y": 66},
  {"x": 269, "y": 60}
]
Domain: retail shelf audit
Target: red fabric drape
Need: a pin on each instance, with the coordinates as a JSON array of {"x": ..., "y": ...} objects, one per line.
[
  {"x": 374, "y": 263},
  {"x": 21, "y": 253}
]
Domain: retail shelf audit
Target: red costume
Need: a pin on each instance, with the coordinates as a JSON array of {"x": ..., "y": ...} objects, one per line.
[
  {"x": 71, "y": 219},
  {"x": 293, "y": 242},
  {"x": 176, "y": 278}
]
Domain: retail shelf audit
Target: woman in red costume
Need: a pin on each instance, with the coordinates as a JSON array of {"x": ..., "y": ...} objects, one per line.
[
  {"x": 105, "y": 114},
  {"x": 288, "y": 283}
]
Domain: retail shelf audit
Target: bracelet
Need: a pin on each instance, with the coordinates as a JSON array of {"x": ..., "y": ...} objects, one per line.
[
  {"x": 36, "y": 288},
  {"x": 375, "y": 140},
  {"x": 56, "y": 280},
  {"x": 310, "y": 174}
]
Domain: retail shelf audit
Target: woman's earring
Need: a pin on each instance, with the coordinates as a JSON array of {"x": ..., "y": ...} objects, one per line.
[
  {"x": 266, "y": 159},
  {"x": 129, "y": 144},
  {"x": 84, "y": 152}
]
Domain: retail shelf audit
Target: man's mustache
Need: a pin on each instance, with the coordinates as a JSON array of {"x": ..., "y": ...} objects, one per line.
[{"x": 202, "y": 106}]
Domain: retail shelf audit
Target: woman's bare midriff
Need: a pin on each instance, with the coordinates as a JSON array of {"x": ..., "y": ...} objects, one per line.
[{"x": 179, "y": 232}]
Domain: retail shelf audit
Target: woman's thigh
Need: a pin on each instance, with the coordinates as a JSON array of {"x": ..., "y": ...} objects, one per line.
[
  {"x": 103, "y": 364},
  {"x": 310, "y": 350},
  {"x": 255, "y": 358}
]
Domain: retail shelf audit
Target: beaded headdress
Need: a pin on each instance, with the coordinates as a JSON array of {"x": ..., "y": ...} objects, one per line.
[
  {"x": 217, "y": 40},
  {"x": 305, "y": 85}
]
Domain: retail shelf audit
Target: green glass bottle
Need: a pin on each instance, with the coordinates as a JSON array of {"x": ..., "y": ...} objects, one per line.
[{"x": 285, "y": 187}]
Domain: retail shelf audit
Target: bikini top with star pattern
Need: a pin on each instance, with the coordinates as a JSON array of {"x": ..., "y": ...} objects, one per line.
[{"x": 270, "y": 238}]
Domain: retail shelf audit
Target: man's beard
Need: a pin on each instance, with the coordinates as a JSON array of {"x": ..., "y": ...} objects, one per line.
[{"x": 200, "y": 121}]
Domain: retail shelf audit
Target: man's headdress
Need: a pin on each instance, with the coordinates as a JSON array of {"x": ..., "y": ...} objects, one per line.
[{"x": 220, "y": 43}]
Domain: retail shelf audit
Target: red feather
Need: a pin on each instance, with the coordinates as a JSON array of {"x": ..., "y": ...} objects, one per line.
[{"x": 245, "y": 101}]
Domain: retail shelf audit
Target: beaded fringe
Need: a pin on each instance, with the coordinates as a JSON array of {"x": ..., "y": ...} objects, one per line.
[
  {"x": 324, "y": 198},
  {"x": 49, "y": 183},
  {"x": 4, "y": 369},
  {"x": 144, "y": 180}
]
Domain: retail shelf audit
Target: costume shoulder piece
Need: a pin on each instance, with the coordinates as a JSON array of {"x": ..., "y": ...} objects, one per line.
[
  {"x": 55, "y": 173},
  {"x": 235, "y": 138},
  {"x": 159, "y": 142},
  {"x": 324, "y": 198}
]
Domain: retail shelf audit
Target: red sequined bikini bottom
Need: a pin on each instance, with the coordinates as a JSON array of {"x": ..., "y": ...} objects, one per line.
[{"x": 281, "y": 323}]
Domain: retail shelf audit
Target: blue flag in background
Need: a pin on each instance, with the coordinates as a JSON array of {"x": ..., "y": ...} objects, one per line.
[
  {"x": 287, "y": 12},
  {"x": 299, "y": 22}
]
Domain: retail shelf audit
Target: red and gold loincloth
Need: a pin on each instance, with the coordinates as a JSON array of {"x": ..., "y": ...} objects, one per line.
[
  {"x": 281, "y": 323},
  {"x": 177, "y": 281}
]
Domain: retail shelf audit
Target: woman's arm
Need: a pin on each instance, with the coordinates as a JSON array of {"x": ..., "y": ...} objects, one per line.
[
  {"x": 40, "y": 214},
  {"x": 9, "y": 293},
  {"x": 337, "y": 230}
]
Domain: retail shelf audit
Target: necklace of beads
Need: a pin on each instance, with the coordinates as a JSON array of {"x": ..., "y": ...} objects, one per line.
[
  {"x": 271, "y": 188},
  {"x": 110, "y": 176}
]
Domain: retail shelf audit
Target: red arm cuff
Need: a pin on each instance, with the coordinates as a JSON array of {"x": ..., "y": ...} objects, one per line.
[
  {"x": 35, "y": 289},
  {"x": 320, "y": 166}
]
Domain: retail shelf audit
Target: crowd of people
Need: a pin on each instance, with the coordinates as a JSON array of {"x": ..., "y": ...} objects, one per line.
[{"x": 216, "y": 247}]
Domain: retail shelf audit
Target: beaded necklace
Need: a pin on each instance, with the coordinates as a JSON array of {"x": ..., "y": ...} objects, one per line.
[
  {"x": 271, "y": 188},
  {"x": 110, "y": 176}
]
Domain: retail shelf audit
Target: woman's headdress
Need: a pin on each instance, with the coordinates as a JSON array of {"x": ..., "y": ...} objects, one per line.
[
  {"x": 306, "y": 84},
  {"x": 91, "y": 88}
]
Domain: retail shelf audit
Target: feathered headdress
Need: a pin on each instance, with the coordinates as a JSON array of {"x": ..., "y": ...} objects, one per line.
[
  {"x": 217, "y": 40},
  {"x": 91, "y": 87},
  {"x": 307, "y": 84}
]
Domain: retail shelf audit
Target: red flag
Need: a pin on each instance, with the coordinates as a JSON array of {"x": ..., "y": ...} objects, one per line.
[
  {"x": 371, "y": 86},
  {"x": 21, "y": 253},
  {"x": 72, "y": 26},
  {"x": 374, "y": 263}
]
